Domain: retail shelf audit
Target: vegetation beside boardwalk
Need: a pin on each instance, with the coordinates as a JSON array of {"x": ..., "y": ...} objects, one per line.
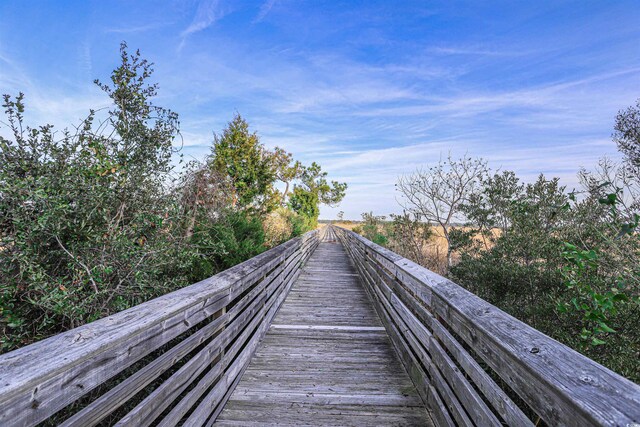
[
  {"x": 566, "y": 262},
  {"x": 95, "y": 218}
]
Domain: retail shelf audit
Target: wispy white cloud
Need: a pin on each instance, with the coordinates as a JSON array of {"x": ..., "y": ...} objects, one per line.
[
  {"x": 136, "y": 28},
  {"x": 369, "y": 90},
  {"x": 265, "y": 8},
  {"x": 13, "y": 77},
  {"x": 208, "y": 12},
  {"x": 86, "y": 62},
  {"x": 477, "y": 51},
  {"x": 554, "y": 98},
  {"x": 49, "y": 105}
]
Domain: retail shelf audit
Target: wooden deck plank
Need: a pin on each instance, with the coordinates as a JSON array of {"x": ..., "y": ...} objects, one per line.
[{"x": 326, "y": 359}]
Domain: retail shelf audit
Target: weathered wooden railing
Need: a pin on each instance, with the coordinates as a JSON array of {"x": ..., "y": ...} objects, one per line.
[
  {"x": 473, "y": 364},
  {"x": 175, "y": 358}
]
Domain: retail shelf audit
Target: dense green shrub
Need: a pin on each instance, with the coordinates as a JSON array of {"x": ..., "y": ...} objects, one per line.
[
  {"x": 568, "y": 266},
  {"x": 85, "y": 227},
  {"x": 242, "y": 237},
  {"x": 373, "y": 228},
  {"x": 95, "y": 220}
]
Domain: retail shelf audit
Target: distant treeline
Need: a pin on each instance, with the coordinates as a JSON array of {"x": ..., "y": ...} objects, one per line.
[{"x": 94, "y": 219}]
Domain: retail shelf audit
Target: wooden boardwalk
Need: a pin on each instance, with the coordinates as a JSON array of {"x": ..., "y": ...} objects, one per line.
[
  {"x": 269, "y": 343},
  {"x": 326, "y": 359}
]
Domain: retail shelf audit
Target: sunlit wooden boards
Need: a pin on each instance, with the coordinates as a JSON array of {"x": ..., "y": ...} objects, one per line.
[{"x": 326, "y": 359}]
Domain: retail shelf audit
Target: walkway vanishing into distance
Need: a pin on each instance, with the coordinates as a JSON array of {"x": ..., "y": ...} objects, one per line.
[
  {"x": 326, "y": 359},
  {"x": 327, "y": 329}
]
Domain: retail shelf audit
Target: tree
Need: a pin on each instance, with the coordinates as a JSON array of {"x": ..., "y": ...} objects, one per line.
[
  {"x": 313, "y": 190},
  {"x": 340, "y": 216},
  {"x": 627, "y": 136},
  {"x": 410, "y": 237},
  {"x": 286, "y": 169},
  {"x": 204, "y": 195},
  {"x": 239, "y": 155},
  {"x": 437, "y": 194},
  {"x": 490, "y": 208},
  {"x": 315, "y": 181},
  {"x": 305, "y": 203},
  {"x": 518, "y": 270},
  {"x": 373, "y": 228}
]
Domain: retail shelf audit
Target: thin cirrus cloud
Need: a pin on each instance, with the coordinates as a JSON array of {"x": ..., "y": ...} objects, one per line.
[
  {"x": 136, "y": 28},
  {"x": 208, "y": 12},
  {"x": 265, "y": 8},
  {"x": 370, "y": 90}
]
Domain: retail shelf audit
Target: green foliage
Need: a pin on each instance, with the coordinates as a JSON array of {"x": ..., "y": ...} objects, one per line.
[
  {"x": 596, "y": 296},
  {"x": 510, "y": 254},
  {"x": 239, "y": 155},
  {"x": 286, "y": 169},
  {"x": 627, "y": 136},
  {"x": 595, "y": 307},
  {"x": 372, "y": 228},
  {"x": 314, "y": 181},
  {"x": 516, "y": 255},
  {"x": 300, "y": 224},
  {"x": 306, "y": 204},
  {"x": 92, "y": 221},
  {"x": 241, "y": 236},
  {"x": 313, "y": 190},
  {"x": 83, "y": 220}
]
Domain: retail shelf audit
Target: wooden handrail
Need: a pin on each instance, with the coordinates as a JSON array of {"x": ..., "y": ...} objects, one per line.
[
  {"x": 206, "y": 332},
  {"x": 469, "y": 359},
  {"x": 178, "y": 357}
]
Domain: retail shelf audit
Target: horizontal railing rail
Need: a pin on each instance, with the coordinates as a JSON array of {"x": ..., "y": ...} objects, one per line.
[
  {"x": 473, "y": 364},
  {"x": 172, "y": 359}
]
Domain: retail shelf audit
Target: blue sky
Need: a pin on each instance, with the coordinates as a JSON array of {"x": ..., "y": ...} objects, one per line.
[{"x": 369, "y": 89}]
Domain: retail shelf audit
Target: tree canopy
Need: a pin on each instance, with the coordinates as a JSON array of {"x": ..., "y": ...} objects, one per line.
[
  {"x": 313, "y": 190},
  {"x": 238, "y": 154}
]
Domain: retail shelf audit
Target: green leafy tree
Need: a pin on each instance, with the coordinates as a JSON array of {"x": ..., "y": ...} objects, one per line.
[
  {"x": 306, "y": 204},
  {"x": 373, "y": 228},
  {"x": 286, "y": 169},
  {"x": 601, "y": 256},
  {"x": 566, "y": 264},
  {"x": 238, "y": 154},
  {"x": 313, "y": 190},
  {"x": 314, "y": 180},
  {"x": 516, "y": 269}
]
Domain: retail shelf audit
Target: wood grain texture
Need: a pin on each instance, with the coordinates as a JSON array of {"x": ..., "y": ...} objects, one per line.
[
  {"x": 326, "y": 359},
  {"x": 38, "y": 380},
  {"x": 434, "y": 321},
  {"x": 359, "y": 336}
]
